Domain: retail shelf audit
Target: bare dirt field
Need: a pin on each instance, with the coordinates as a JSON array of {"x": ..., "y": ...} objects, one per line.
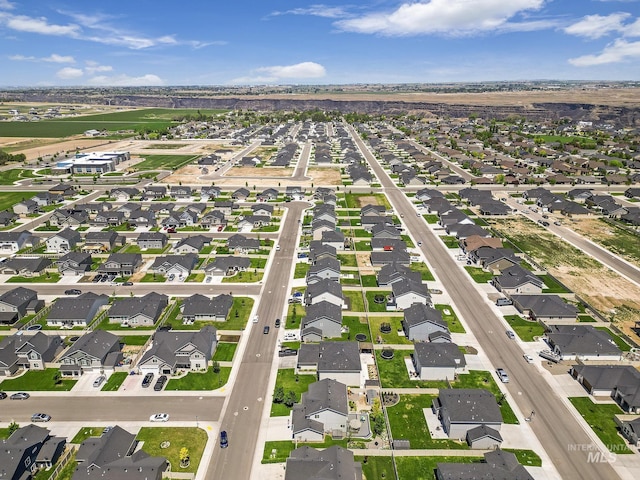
[
  {"x": 602, "y": 288},
  {"x": 615, "y": 239},
  {"x": 259, "y": 172},
  {"x": 325, "y": 176},
  {"x": 364, "y": 263},
  {"x": 368, "y": 200},
  {"x": 42, "y": 147}
]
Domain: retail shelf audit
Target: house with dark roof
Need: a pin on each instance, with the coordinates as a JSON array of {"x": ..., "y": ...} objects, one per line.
[
  {"x": 325, "y": 268},
  {"x": 517, "y": 280},
  {"x": 322, "y": 320},
  {"x": 407, "y": 292},
  {"x": 18, "y": 302},
  {"x": 388, "y": 244},
  {"x": 386, "y": 231},
  {"x": 98, "y": 350},
  {"x": 461, "y": 409},
  {"x": 179, "y": 265},
  {"x": 438, "y": 361},
  {"x": 198, "y": 307},
  {"x": 63, "y": 241},
  {"x": 483, "y": 437},
  {"x": 121, "y": 264},
  {"x": 11, "y": 242},
  {"x": 74, "y": 263},
  {"x": 421, "y": 321},
  {"x": 324, "y": 290},
  {"x": 602, "y": 380},
  {"x": 152, "y": 240},
  {"x": 25, "y": 266},
  {"x": 20, "y": 454},
  {"x": 191, "y": 244},
  {"x": 497, "y": 465},
  {"x": 240, "y": 244},
  {"x": 399, "y": 257},
  {"x": 115, "y": 455},
  {"x": 227, "y": 266},
  {"x": 102, "y": 241},
  {"x": 174, "y": 351},
  {"x": 545, "y": 308},
  {"x": 396, "y": 272},
  {"x": 337, "y": 360},
  {"x": 332, "y": 237},
  {"x": 323, "y": 409},
  {"x": 27, "y": 352},
  {"x": 333, "y": 463},
  {"x": 581, "y": 341},
  {"x": 138, "y": 311},
  {"x": 69, "y": 312},
  {"x": 319, "y": 250}
]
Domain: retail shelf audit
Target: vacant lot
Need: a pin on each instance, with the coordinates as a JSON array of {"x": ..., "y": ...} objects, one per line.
[
  {"x": 169, "y": 162},
  {"x": 614, "y": 238},
  {"x": 259, "y": 172},
  {"x": 324, "y": 176}
]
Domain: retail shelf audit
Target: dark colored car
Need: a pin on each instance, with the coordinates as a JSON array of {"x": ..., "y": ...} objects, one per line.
[
  {"x": 224, "y": 440},
  {"x": 287, "y": 352},
  {"x": 277, "y": 323},
  {"x": 162, "y": 379},
  {"x": 3, "y": 395},
  {"x": 165, "y": 328},
  {"x": 146, "y": 381},
  {"x": 127, "y": 284},
  {"x": 73, "y": 291},
  {"x": 266, "y": 330}
]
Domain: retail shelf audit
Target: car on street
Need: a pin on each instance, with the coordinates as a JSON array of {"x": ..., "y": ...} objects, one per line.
[
  {"x": 265, "y": 330},
  {"x": 3, "y": 395},
  {"x": 19, "y": 396},
  {"x": 40, "y": 417},
  {"x": 162, "y": 379},
  {"x": 127, "y": 284},
  {"x": 277, "y": 323},
  {"x": 104, "y": 278},
  {"x": 511, "y": 335},
  {"x": 528, "y": 358},
  {"x": 255, "y": 319},
  {"x": 98, "y": 381},
  {"x": 502, "y": 375},
  {"x": 165, "y": 328},
  {"x": 146, "y": 381},
  {"x": 277, "y": 248},
  {"x": 557, "y": 223},
  {"x": 224, "y": 439},
  {"x": 419, "y": 244},
  {"x": 402, "y": 215},
  {"x": 73, "y": 291},
  {"x": 159, "y": 417}
]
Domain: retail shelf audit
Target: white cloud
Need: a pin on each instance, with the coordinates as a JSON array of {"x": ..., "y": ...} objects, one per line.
[
  {"x": 126, "y": 81},
  {"x": 633, "y": 29},
  {"x": 316, "y": 11},
  {"x": 596, "y": 26},
  {"x": 615, "y": 52},
  {"x": 7, "y": 5},
  {"x": 23, "y": 23},
  {"x": 68, "y": 73},
  {"x": 94, "y": 67},
  {"x": 299, "y": 70},
  {"x": 447, "y": 17},
  {"x": 53, "y": 58}
]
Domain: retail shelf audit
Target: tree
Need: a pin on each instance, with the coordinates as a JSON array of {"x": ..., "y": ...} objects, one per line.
[
  {"x": 215, "y": 367},
  {"x": 13, "y": 426},
  {"x": 290, "y": 398},
  {"x": 278, "y": 394}
]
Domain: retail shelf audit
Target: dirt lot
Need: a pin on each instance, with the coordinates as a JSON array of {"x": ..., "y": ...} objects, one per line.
[
  {"x": 49, "y": 146},
  {"x": 368, "y": 200},
  {"x": 617, "y": 240},
  {"x": 259, "y": 172},
  {"x": 364, "y": 263},
  {"x": 325, "y": 176},
  {"x": 604, "y": 289}
]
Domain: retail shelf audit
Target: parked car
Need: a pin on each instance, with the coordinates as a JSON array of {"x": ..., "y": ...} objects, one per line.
[
  {"x": 419, "y": 244},
  {"x": 528, "y": 358},
  {"x": 98, "y": 381},
  {"x": 287, "y": 352},
  {"x": 159, "y": 417},
  {"x": 127, "y": 284},
  {"x": 255, "y": 319},
  {"x": 265, "y": 330},
  {"x": 3, "y": 395},
  {"x": 502, "y": 375},
  {"x": 502, "y": 301},
  {"x": 224, "y": 439},
  {"x": 73, "y": 291},
  {"x": 19, "y": 396},
  {"x": 295, "y": 300},
  {"x": 40, "y": 417},
  {"x": 277, "y": 323},
  {"x": 165, "y": 328},
  {"x": 162, "y": 379},
  {"x": 171, "y": 277},
  {"x": 97, "y": 278},
  {"x": 510, "y": 334},
  {"x": 146, "y": 381}
]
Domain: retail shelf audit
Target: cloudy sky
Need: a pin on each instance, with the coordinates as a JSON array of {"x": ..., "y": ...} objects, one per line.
[{"x": 241, "y": 42}]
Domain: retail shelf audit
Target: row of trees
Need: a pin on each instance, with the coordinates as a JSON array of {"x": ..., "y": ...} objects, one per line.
[
  {"x": 7, "y": 157},
  {"x": 288, "y": 398}
]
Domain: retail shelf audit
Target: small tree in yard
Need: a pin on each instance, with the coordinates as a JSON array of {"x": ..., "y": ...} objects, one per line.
[
  {"x": 278, "y": 394},
  {"x": 13, "y": 426},
  {"x": 215, "y": 367},
  {"x": 184, "y": 456},
  {"x": 290, "y": 398}
]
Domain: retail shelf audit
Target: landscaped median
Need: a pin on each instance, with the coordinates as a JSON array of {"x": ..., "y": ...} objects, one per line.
[{"x": 209, "y": 380}]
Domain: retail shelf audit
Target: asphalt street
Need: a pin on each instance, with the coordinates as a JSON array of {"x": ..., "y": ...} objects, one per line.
[{"x": 555, "y": 426}]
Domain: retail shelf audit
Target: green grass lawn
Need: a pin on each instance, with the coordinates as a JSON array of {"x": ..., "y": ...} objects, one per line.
[
  {"x": 377, "y": 307},
  {"x": 195, "y": 439},
  {"x": 353, "y": 200},
  {"x": 356, "y": 302},
  {"x": 431, "y": 218},
  {"x": 619, "y": 341},
  {"x": 200, "y": 381},
  {"x": 478, "y": 274},
  {"x": 244, "y": 277},
  {"x": 421, "y": 267},
  {"x": 363, "y": 246},
  {"x": 9, "y": 199},
  {"x": 4, "y": 433},
  {"x": 407, "y": 422},
  {"x": 115, "y": 380},
  {"x": 278, "y": 451},
  {"x": 242, "y": 306},
  {"x": 528, "y": 458},
  {"x": 356, "y": 325},
  {"x": 369, "y": 281},
  {"x": 138, "y": 340},
  {"x": 450, "y": 242},
  {"x": 451, "y": 318},
  {"x": 391, "y": 338},
  {"x": 347, "y": 260},
  {"x": 525, "y": 329},
  {"x": 168, "y": 162},
  {"x": 423, "y": 468},
  {"x": 44, "y": 278},
  {"x": 287, "y": 379},
  {"x": 301, "y": 270},
  {"x": 295, "y": 313},
  {"x": 37, "y": 380},
  {"x": 586, "y": 319},
  {"x": 15, "y": 174},
  {"x": 552, "y": 285},
  {"x": 600, "y": 419},
  {"x": 86, "y": 432},
  {"x": 393, "y": 372},
  {"x": 375, "y": 467},
  {"x": 225, "y": 351}
]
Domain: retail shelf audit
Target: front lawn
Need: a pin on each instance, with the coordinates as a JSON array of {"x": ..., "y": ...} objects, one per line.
[
  {"x": 239, "y": 314},
  {"x": 200, "y": 380},
  {"x": 527, "y": 330},
  {"x": 195, "y": 439},
  {"x": 421, "y": 267},
  {"x": 86, "y": 432},
  {"x": 450, "y": 242},
  {"x": 225, "y": 351},
  {"x": 44, "y": 278},
  {"x": 479, "y": 275},
  {"x": 375, "y": 467},
  {"x": 451, "y": 318},
  {"x": 599, "y": 416},
  {"x": 137, "y": 340},
  {"x": 278, "y": 451},
  {"x": 301, "y": 270},
  {"x": 289, "y": 381},
  {"x": 115, "y": 380},
  {"x": 407, "y": 422},
  {"x": 38, "y": 380}
]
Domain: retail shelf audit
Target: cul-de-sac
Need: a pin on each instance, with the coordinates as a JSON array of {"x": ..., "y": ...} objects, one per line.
[{"x": 317, "y": 293}]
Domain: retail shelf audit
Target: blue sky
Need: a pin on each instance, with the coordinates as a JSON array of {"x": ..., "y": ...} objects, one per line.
[{"x": 240, "y": 42}]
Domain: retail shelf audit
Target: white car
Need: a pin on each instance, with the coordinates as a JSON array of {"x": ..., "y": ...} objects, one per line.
[
  {"x": 255, "y": 319},
  {"x": 528, "y": 358},
  {"x": 159, "y": 417}
]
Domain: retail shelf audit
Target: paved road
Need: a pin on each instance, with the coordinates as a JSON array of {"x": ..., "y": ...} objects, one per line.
[
  {"x": 112, "y": 408},
  {"x": 243, "y": 412},
  {"x": 301, "y": 168},
  {"x": 554, "y": 424},
  {"x": 171, "y": 289}
]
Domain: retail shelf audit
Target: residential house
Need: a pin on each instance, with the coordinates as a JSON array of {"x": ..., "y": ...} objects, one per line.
[
  {"x": 11, "y": 242},
  {"x": 25, "y": 266},
  {"x": 74, "y": 263},
  {"x": 18, "y": 302},
  {"x": 483, "y": 437},
  {"x": 333, "y": 463},
  {"x": 138, "y": 311},
  {"x": 214, "y": 218},
  {"x": 191, "y": 244},
  {"x": 182, "y": 192},
  {"x": 69, "y": 312},
  {"x": 250, "y": 222},
  {"x": 497, "y": 464},
  {"x": 263, "y": 210},
  {"x": 197, "y": 307},
  {"x": 388, "y": 257},
  {"x": 26, "y": 207},
  {"x": 63, "y": 241},
  {"x": 407, "y": 292},
  {"x": 171, "y": 352},
  {"x": 240, "y": 244},
  {"x": 336, "y": 360},
  {"x": 324, "y": 290},
  {"x": 323, "y": 409},
  {"x": 322, "y": 320},
  {"x": 630, "y": 430},
  {"x": 334, "y": 238},
  {"x": 517, "y": 280},
  {"x": 395, "y": 272},
  {"x": 7, "y": 218},
  {"x": 462, "y": 409},
  {"x": 27, "y": 352},
  {"x": 386, "y": 231},
  {"x": 240, "y": 194},
  {"x": 325, "y": 268},
  {"x": 142, "y": 218},
  {"x": 178, "y": 265},
  {"x": 388, "y": 244},
  {"x": 125, "y": 193},
  {"x": 227, "y": 266},
  {"x": 116, "y": 455},
  {"x": 209, "y": 193},
  {"x": 102, "y": 241},
  {"x": 422, "y": 321},
  {"x": 152, "y": 240},
  {"x": 582, "y": 341},
  {"x": 545, "y": 308},
  {"x": 121, "y": 264},
  {"x": 154, "y": 192},
  {"x": 319, "y": 251},
  {"x": 97, "y": 350},
  {"x": 602, "y": 380},
  {"x": 225, "y": 206},
  {"x": 19, "y": 453},
  {"x": 268, "y": 195},
  {"x": 438, "y": 361}
]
